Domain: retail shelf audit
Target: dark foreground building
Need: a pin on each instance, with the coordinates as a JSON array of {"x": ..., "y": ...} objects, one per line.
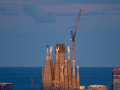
[
  {"x": 5, "y": 86},
  {"x": 115, "y": 79},
  {"x": 97, "y": 87}
]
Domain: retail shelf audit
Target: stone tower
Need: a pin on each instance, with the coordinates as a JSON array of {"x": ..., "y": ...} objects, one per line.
[
  {"x": 62, "y": 84},
  {"x": 51, "y": 63},
  {"x": 78, "y": 80},
  {"x": 66, "y": 77},
  {"x": 73, "y": 76},
  {"x": 61, "y": 59},
  {"x": 59, "y": 77},
  {"x": 47, "y": 78},
  {"x": 57, "y": 70},
  {"x": 69, "y": 69}
]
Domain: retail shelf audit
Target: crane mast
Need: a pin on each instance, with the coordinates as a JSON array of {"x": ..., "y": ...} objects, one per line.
[{"x": 73, "y": 36}]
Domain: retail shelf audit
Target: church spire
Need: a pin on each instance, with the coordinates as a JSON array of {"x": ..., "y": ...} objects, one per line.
[
  {"x": 47, "y": 79},
  {"x": 73, "y": 76},
  {"x": 47, "y": 49},
  {"x": 62, "y": 84},
  {"x": 51, "y": 63},
  {"x": 57, "y": 69},
  {"x": 66, "y": 77},
  {"x": 78, "y": 81},
  {"x": 69, "y": 68}
]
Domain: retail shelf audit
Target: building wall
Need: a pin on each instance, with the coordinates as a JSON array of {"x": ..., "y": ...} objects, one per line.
[
  {"x": 5, "y": 86},
  {"x": 61, "y": 59},
  {"x": 97, "y": 87},
  {"x": 115, "y": 79},
  {"x": 116, "y": 86}
]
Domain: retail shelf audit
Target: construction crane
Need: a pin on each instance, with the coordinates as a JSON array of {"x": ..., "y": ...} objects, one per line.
[
  {"x": 33, "y": 88},
  {"x": 73, "y": 36}
]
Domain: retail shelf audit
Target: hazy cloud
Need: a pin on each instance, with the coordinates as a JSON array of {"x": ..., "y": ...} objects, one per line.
[
  {"x": 8, "y": 11},
  {"x": 61, "y": 2},
  {"x": 94, "y": 9},
  {"x": 38, "y": 16}
]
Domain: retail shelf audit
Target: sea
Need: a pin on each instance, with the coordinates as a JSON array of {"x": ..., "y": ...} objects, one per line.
[{"x": 20, "y": 77}]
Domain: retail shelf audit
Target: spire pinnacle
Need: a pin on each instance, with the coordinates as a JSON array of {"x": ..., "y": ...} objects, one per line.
[
  {"x": 68, "y": 50},
  {"x": 47, "y": 48},
  {"x": 51, "y": 50},
  {"x": 57, "y": 49}
]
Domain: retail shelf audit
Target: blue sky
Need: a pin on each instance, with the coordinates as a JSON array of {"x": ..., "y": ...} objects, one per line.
[{"x": 27, "y": 26}]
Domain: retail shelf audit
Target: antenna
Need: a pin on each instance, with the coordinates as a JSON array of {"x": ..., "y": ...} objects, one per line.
[{"x": 33, "y": 88}]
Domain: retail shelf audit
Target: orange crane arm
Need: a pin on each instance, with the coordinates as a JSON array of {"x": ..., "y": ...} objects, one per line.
[
  {"x": 74, "y": 34},
  {"x": 78, "y": 20}
]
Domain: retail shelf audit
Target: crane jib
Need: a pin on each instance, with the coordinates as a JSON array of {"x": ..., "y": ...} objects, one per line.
[{"x": 73, "y": 36}]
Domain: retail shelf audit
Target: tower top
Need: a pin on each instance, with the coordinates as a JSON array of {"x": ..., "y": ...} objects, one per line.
[
  {"x": 57, "y": 49},
  {"x": 61, "y": 47},
  {"x": 51, "y": 50},
  {"x": 68, "y": 50},
  {"x": 47, "y": 48}
]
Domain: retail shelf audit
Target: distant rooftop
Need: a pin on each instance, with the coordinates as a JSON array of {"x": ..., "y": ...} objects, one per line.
[
  {"x": 116, "y": 69},
  {"x": 4, "y": 83},
  {"x": 99, "y": 87}
]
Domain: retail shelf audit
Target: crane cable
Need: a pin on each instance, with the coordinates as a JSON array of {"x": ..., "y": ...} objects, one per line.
[{"x": 74, "y": 23}]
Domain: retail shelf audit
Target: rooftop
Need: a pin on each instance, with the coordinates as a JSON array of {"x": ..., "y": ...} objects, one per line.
[{"x": 116, "y": 69}]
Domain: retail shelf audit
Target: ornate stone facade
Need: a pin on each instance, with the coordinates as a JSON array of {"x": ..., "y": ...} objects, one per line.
[{"x": 59, "y": 77}]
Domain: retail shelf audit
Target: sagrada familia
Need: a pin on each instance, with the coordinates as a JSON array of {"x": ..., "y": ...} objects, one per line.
[{"x": 59, "y": 77}]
